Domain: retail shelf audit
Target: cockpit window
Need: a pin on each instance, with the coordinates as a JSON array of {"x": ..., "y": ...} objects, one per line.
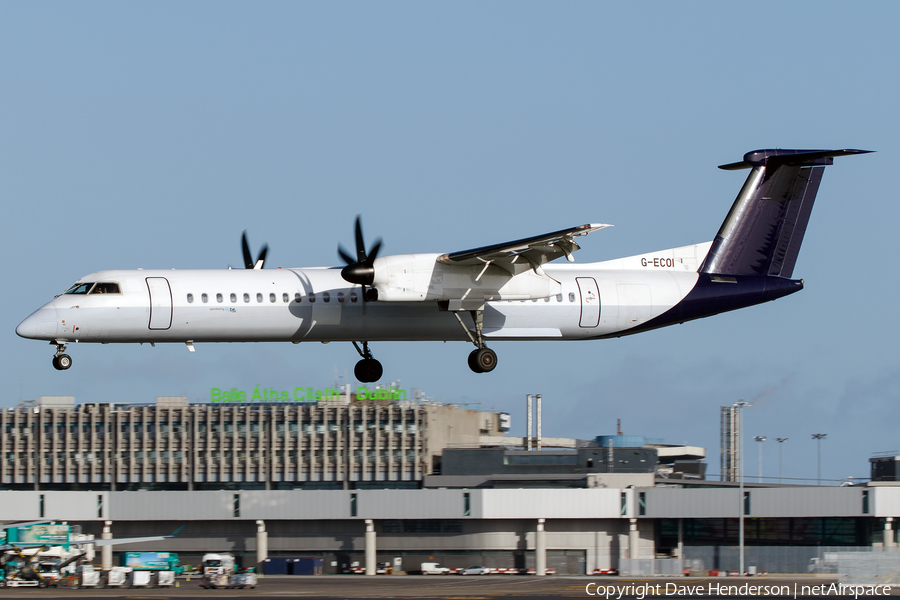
[
  {"x": 80, "y": 288},
  {"x": 106, "y": 288}
]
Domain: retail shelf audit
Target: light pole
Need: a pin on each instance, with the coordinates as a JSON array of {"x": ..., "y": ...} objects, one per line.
[
  {"x": 741, "y": 404},
  {"x": 781, "y": 459},
  {"x": 819, "y": 437},
  {"x": 760, "y": 439}
]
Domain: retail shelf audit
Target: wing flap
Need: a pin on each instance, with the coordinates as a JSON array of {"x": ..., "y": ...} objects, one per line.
[{"x": 527, "y": 253}]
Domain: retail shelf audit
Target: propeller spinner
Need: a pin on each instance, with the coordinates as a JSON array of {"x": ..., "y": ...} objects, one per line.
[{"x": 361, "y": 270}]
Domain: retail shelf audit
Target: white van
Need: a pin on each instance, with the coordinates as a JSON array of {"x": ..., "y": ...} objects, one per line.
[{"x": 434, "y": 569}]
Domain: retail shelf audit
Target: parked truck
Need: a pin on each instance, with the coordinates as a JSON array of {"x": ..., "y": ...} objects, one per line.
[
  {"x": 219, "y": 571},
  {"x": 152, "y": 568}
]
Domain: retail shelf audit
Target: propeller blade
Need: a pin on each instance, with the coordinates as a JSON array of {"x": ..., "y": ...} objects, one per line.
[
  {"x": 343, "y": 254},
  {"x": 245, "y": 247},
  {"x": 373, "y": 253},
  {"x": 360, "y": 244},
  {"x": 261, "y": 261}
]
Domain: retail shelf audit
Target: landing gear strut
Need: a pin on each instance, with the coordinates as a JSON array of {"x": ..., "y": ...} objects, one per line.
[
  {"x": 368, "y": 370},
  {"x": 61, "y": 361},
  {"x": 482, "y": 359}
]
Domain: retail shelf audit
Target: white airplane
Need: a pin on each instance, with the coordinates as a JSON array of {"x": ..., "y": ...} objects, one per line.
[{"x": 509, "y": 291}]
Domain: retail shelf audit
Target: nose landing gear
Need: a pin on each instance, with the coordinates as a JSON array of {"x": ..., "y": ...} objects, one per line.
[
  {"x": 61, "y": 361},
  {"x": 368, "y": 370}
]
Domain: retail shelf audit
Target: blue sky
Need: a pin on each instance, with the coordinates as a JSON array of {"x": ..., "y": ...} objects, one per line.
[{"x": 151, "y": 134}]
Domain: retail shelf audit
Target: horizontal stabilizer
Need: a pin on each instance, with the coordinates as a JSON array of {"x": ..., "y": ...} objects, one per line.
[{"x": 808, "y": 158}]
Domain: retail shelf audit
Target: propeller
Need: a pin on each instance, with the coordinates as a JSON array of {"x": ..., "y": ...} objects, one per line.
[
  {"x": 361, "y": 269},
  {"x": 249, "y": 263}
]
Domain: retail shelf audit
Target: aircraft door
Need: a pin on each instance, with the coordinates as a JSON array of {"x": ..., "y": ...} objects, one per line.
[
  {"x": 590, "y": 301},
  {"x": 160, "y": 302}
]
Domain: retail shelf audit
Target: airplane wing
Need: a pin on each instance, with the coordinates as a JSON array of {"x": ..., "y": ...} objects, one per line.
[{"x": 528, "y": 253}]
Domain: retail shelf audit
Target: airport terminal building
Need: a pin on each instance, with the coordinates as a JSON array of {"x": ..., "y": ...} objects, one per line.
[{"x": 359, "y": 482}]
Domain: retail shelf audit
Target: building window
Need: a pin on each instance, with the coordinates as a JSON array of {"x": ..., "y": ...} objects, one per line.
[
  {"x": 642, "y": 503},
  {"x": 623, "y": 509},
  {"x": 865, "y": 502},
  {"x": 467, "y": 506},
  {"x": 237, "y": 506},
  {"x": 99, "y": 506},
  {"x": 352, "y": 505},
  {"x": 746, "y": 503}
]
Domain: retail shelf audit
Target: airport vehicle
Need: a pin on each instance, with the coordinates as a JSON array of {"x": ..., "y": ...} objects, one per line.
[
  {"x": 36, "y": 553},
  {"x": 475, "y": 570},
  {"x": 433, "y": 568},
  {"x": 507, "y": 291}
]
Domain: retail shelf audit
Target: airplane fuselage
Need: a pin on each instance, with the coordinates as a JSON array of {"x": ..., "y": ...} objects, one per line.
[
  {"x": 593, "y": 300},
  {"x": 509, "y": 291}
]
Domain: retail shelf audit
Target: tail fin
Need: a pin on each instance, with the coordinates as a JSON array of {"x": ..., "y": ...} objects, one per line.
[{"x": 764, "y": 228}]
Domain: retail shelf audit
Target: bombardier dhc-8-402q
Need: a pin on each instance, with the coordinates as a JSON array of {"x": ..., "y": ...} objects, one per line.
[{"x": 510, "y": 291}]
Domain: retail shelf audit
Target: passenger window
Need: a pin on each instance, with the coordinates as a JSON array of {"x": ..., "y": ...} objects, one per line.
[
  {"x": 559, "y": 297},
  {"x": 352, "y": 296},
  {"x": 297, "y": 297},
  {"x": 571, "y": 296},
  {"x": 259, "y": 297},
  {"x": 547, "y": 299},
  {"x": 106, "y": 288},
  {"x": 204, "y": 298},
  {"x": 233, "y": 298},
  {"x": 326, "y": 297},
  {"x": 312, "y": 298},
  {"x": 285, "y": 298},
  {"x": 79, "y": 288},
  {"x": 271, "y": 297},
  {"x": 190, "y": 298},
  {"x": 218, "y": 297},
  {"x": 246, "y": 298},
  {"x": 341, "y": 297}
]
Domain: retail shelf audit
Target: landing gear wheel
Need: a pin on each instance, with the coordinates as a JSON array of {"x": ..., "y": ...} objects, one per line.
[
  {"x": 482, "y": 360},
  {"x": 62, "y": 362},
  {"x": 368, "y": 370},
  {"x": 473, "y": 361}
]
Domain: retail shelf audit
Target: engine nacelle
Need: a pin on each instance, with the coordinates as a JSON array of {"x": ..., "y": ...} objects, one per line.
[{"x": 419, "y": 277}]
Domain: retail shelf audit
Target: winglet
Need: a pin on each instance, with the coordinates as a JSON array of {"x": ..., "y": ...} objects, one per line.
[{"x": 177, "y": 531}]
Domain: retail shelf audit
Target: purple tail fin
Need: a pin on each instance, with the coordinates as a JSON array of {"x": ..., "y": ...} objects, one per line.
[{"x": 764, "y": 228}]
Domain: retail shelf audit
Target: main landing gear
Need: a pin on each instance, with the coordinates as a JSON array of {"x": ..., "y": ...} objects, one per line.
[
  {"x": 368, "y": 370},
  {"x": 61, "y": 361},
  {"x": 482, "y": 359}
]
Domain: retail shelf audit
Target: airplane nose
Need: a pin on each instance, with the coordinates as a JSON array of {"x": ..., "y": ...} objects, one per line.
[{"x": 41, "y": 325}]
